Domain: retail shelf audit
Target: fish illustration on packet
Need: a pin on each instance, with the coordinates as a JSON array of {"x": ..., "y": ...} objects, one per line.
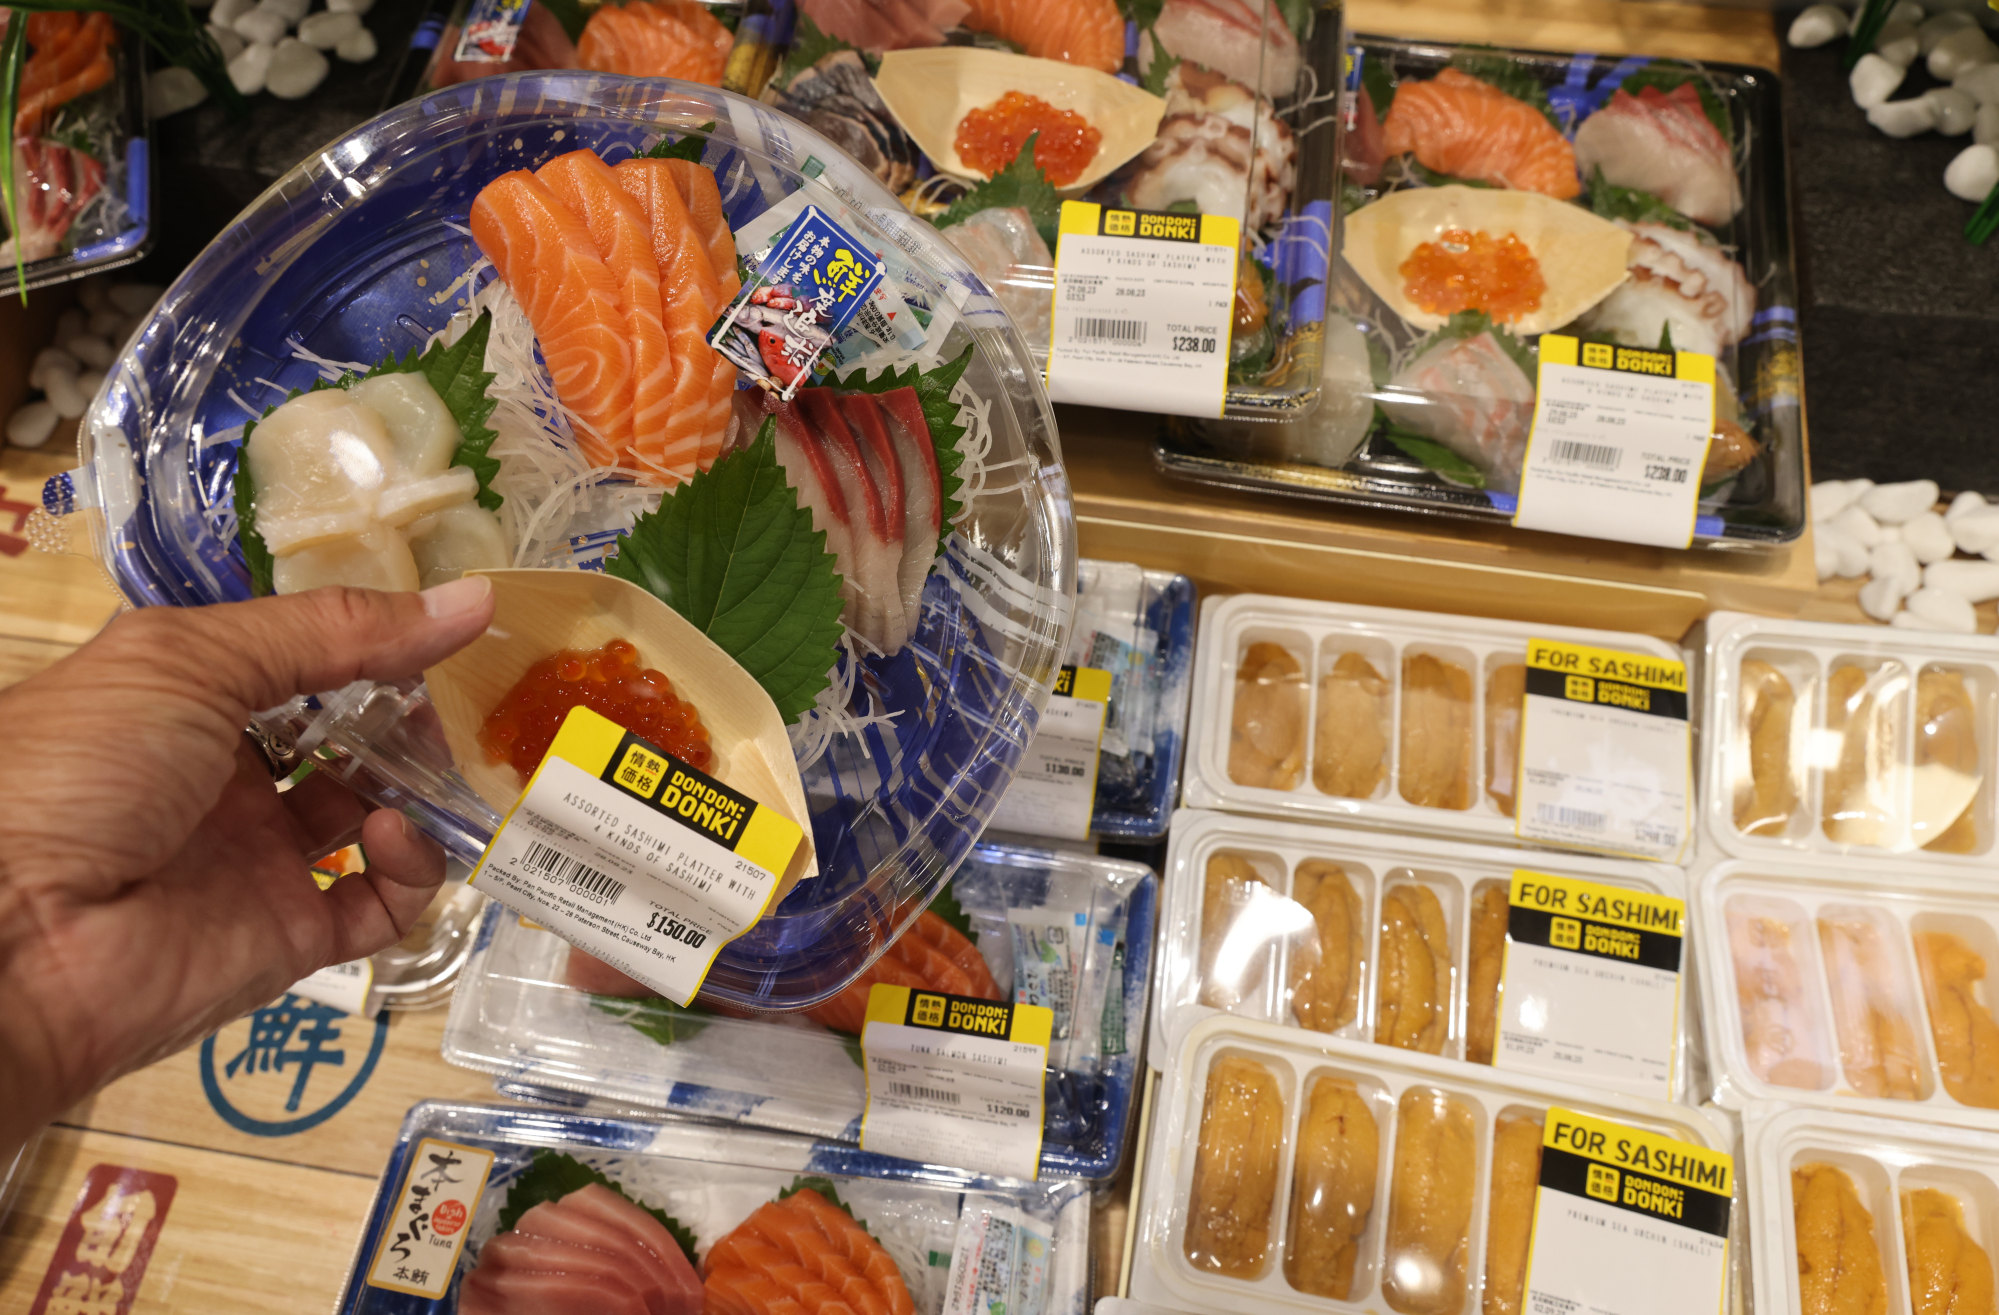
[{"x": 804, "y": 290}]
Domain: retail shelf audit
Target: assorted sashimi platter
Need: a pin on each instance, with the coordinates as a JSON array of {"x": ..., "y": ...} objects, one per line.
[
  {"x": 639, "y": 38},
  {"x": 1491, "y": 196}
]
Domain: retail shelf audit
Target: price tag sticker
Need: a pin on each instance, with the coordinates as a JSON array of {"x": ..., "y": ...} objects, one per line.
[
  {"x": 955, "y": 1080},
  {"x": 636, "y": 857},
  {"x": 1591, "y": 983},
  {"x": 1606, "y": 755},
  {"x": 1619, "y": 440},
  {"x": 421, "y": 1240},
  {"x": 1054, "y": 793},
  {"x": 1144, "y": 305},
  {"x": 344, "y": 986},
  {"x": 1615, "y": 1201}
]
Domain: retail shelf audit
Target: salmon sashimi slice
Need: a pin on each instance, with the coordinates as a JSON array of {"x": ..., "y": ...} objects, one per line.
[
  {"x": 803, "y": 1254},
  {"x": 34, "y": 111},
  {"x": 842, "y": 1232},
  {"x": 804, "y": 1266},
  {"x": 1466, "y": 128},
  {"x": 545, "y": 254},
  {"x": 623, "y": 234},
  {"x": 932, "y": 955},
  {"x": 656, "y": 39},
  {"x": 65, "y": 53},
  {"x": 741, "y": 1292},
  {"x": 689, "y": 293},
  {"x": 704, "y": 206},
  {"x": 1085, "y": 32}
]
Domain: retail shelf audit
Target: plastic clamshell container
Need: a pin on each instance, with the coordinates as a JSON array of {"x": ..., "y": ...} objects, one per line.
[
  {"x": 1344, "y": 454},
  {"x": 711, "y": 1179},
  {"x": 351, "y": 256},
  {"x": 1161, "y": 1272},
  {"x": 1885, "y": 1160},
  {"x": 1813, "y": 988},
  {"x": 1316, "y": 635},
  {"x": 513, "y": 1016},
  {"x": 1891, "y": 745},
  {"x": 420, "y": 970},
  {"x": 1189, "y": 990},
  {"x": 110, "y": 125},
  {"x": 1291, "y": 130}
]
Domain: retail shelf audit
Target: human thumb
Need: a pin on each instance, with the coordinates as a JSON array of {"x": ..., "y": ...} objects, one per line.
[{"x": 262, "y": 652}]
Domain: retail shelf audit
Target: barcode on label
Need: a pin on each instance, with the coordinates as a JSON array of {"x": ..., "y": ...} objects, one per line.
[
  {"x": 1557, "y": 815},
  {"x": 1095, "y": 328},
  {"x": 935, "y": 1095},
  {"x": 582, "y": 878},
  {"x": 1569, "y": 452}
]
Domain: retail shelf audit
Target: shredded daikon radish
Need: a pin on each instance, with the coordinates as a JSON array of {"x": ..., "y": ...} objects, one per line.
[
  {"x": 832, "y": 714},
  {"x": 329, "y": 369}
]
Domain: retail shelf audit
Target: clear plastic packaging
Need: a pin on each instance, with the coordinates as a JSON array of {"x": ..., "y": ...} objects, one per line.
[
  {"x": 1853, "y": 990},
  {"x": 1370, "y": 715},
  {"x": 421, "y": 969},
  {"x": 515, "y": 1015},
  {"x": 709, "y": 1179},
  {"x": 350, "y": 255},
  {"x": 1899, "y": 1200},
  {"x": 1848, "y": 743},
  {"x": 14, "y": 1175},
  {"x": 1356, "y": 1178},
  {"x": 1292, "y": 925}
]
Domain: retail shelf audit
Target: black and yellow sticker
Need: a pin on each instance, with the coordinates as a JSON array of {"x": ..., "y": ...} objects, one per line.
[
  {"x": 1088, "y": 219},
  {"x": 968, "y": 1015},
  {"x": 1561, "y": 349},
  {"x": 1092, "y": 683},
  {"x": 1586, "y": 917},
  {"x": 674, "y": 789},
  {"x": 1636, "y": 682},
  {"x": 1644, "y": 1172}
]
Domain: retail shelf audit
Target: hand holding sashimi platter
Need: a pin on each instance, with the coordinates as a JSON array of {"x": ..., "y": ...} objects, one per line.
[{"x": 590, "y": 326}]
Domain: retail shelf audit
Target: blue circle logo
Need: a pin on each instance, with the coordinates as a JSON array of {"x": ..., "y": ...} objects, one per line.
[{"x": 286, "y": 1063}]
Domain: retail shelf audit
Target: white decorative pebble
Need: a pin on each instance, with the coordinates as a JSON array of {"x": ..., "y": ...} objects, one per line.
[
  {"x": 135, "y": 299},
  {"x": 1980, "y": 82},
  {"x": 1938, "y": 26},
  {"x": 1943, "y": 610},
  {"x": 1825, "y": 554},
  {"x": 1977, "y": 581},
  {"x": 1896, "y": 562},
  {"x": 1906, "y": 11},
  {"x": 1964, "y": 503},
  {"x": 1890, "y": 534},
  {"x": 1853, "y": 554},
  {"x": 93, "y": 294},
  {"x": 72, "y": 323},
  {"x": 1864, "y": 529},
  {"x": 1882, "y": 597},
  {"x": 106, "y": 322},
  {"x": 1816, "y": 26},
  {"x": 93, "y": 351},
  {"x": 1973, "y": 173},
  {"x": 1954, "y": 111},
  {"x": 1873, "y": 81},
  {"x": 1891, "y": 504},
  {"x": 249, "y": 69},
  {"x": 1985, "y": 128},
  {"x": 227, "y": 41},
  {"x": 1898, "y": 44},
  {"x": 50, "y": 360},
  {"x": 262, "y": 26},
  {"x": 350, "y": 6},
  {"x": 1928, "y": 538},
  {"x": 292, "y": 11},
  {"x": 1904, "y": 118},
  {"x": 1959, "y": 52},
  {"x": 65, "y": 396},
  {"x": 296, "y": 69},
  {"x": 31, "y": 425},
  {"x": 1975, "y": 532},
  {"x": 172, "y": 89},
  {"x": 357, "y": 47},
  {"x": 226, "y": 12},
  {"x": 1910, "y": 621},
  {"x": 326, "y": 31},
  {"x": 1833, "y": 496}
]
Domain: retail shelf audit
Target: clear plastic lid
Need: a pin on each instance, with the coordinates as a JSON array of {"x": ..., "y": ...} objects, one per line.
[{"x": 362, "y": 251}]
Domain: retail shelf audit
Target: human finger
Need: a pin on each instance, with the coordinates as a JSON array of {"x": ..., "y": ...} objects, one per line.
[
  {"x": 325, "y": 814},
  {"x": 377, "y": 906}
]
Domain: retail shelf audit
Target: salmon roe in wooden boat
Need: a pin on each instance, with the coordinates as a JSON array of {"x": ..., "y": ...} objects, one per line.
[
  {"x": 991, "y": 136},
  {"x": 1475, "y": 271},
  {"x": 608, "y": 680}
]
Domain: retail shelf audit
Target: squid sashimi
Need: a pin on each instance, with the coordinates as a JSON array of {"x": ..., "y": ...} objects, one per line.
[
  {"x": 656, "y": 39},
  {"x": 1663, "y": 143},
  {"x": 624, "y": 233},
  {"x": 592, "y": 1252},
  {"x": 546, "y": 256},
  {"x": 1677, "y": 281},
  {"x": 1246, "y": 39},
  {"x": 803, "y": 1255},
  {"x": 932, "y": 956},
  {"x": 1470, "y": 395},
  {"x": 1085, "y": 32},
  {"x": 1458, "y": 125},
  {"x": 878, "y": 25}
]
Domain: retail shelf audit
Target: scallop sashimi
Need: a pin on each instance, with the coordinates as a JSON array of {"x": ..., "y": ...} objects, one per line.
[
  {"x": 803, "y": 1255},
  {"x": 1086, "y": 32},
  {"x": 1458, "y": 125},
  {"x": 1663, "y": 143},
  {"x": 656, "y": 39}
]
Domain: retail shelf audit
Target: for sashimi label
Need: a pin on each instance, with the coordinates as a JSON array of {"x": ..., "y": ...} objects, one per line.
[
  {"x": 955, "y": 1080},
  {"x": 1627, "y": 1222},
  {"x": 1144, "y": 305},
  {"x": 1591, "y": 983},
  {"x": 1606, "y": 756},
  {"x": 1055, "y": 791},
  {"x": 636, "y": 857},
  {"x": 423, "y": 1235},
  {"x": 1619, "y": 440}
]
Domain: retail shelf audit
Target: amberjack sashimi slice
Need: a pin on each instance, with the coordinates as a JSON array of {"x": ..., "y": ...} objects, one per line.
[
  {"x": 619, "y": 227},
  {"x": 877, "y": 544},
  {"x": 923, "y": 491},
  {"x": 808, "y": 468},
  {"x": 547, "y": 258}
]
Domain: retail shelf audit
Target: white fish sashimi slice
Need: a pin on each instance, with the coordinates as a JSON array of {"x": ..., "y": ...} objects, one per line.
[
  {"x": 877, "y": 547},
  {"x": 1470, "y": 396},
  {"x": 1248, "y": 40},
  {"x": 923, "y": 494},
  {"x": 1664, "y": 145},
  {"x": 808, "y": 469}
]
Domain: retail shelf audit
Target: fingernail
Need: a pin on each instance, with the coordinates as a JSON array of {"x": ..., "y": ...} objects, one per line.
[{"x": 444, "y": 602}]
